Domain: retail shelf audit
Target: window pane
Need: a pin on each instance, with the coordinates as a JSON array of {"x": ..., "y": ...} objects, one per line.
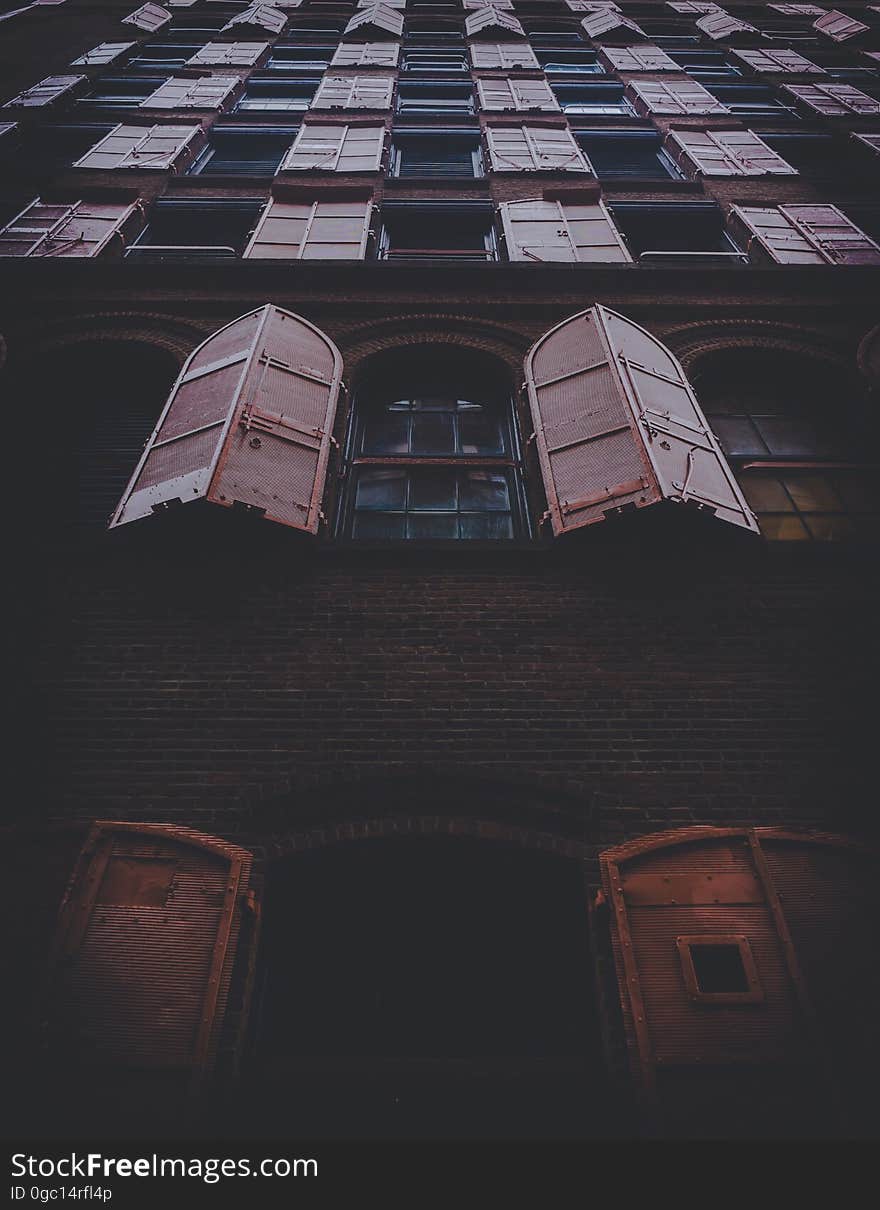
[
  {"x": 484, "y": 490},
  {"x": 765, "y": 494},
  {"x": 828, "y": 527},
  {"x": 486, "y": 525},
  {"x": 783, "y": 528},
  {"x": 380, "y": 526},
  {"x": 737, "y": 435},
  {"x": 430, "y": 489},
  {"x": 812, "y": 493},
  {"x": 381, "y": 489},
  {"x": 425, "y": 526},
  {"x": 433, "y": 433},
  {"x": 386, "y": 432},
  {"x": 788, "y": 435},
  {"x": 479, "y": 432},
  {"x": 857, "y": 492}
]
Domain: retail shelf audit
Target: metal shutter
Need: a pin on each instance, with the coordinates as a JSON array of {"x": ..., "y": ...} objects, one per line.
[
  {"x": 401, "y": 4},
  {"x": 249, "y": 420},
  {"x": 378, "y": 16},
  {"x": 871, "y": 141},
  {"x": 617, "y": 424},
  {"x": 77, "y": 229},
  {"x": 777, "y": 61},
  {"x": 262, "y": 15},
  {"x": 782, "y": 241},
  {"x": 692, "y": 6},
  {"x": 46, "y": 92},
  {"x": 354, "y": 92},
  {"x": 476, "y": 4},
  {"x": 503, "y": 94},
  {"x": 489, "y": 19},
  {"x": 208, "y": 92},
  {"x": 534, "y": 148},
  {"x": 719, "y": 24},
  {"x": 591, "y": 6},
  {"x": 504, "y": 55},
  {"x": 107, "y": 52},
  {"x": 838, "y": 26},
  {"x": 150, "y": 17},
  {"x": 607, "y": 21},
  {"x": 336, "y": 149},
  {"x": 145, "y": 147},
  {"x": 542, "y": 230},
  {"x": 637, "y": 58},
  {"x": 798, "y": 10},
  {"x": 834, "y": 100},
  {"x": 725, "y": 153},
  {"x": 366, "y": 54},
  {"x": 672, "y": 96},
  {"x": 335, "y": 230},
  {"x": 230, "y": 54},
  {"x": 804, "y": 235}
]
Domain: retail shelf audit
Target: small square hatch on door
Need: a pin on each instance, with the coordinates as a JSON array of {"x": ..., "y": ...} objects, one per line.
[
  {"x": 136, "y": 882},
  {"x": 719, "y": 968}
]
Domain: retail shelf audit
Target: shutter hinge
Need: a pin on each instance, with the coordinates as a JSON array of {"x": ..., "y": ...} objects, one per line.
[{"x": 531, "y": 438}]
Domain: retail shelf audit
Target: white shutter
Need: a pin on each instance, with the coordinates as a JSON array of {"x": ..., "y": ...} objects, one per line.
[
  {"x": 513, "y": 93},
  {"x": 334, "y": 230},
  {"x": 534, "y": 149},
  {"x": 803, "y": 235},
  {"x": 672, "y": 96},
  {"x": 387, "y": 3},
  {"x": 207, "y": 92},
  {"x": 873, "y": 54},
  {"x": 46, "y": 92},
  {"x": 617, "y": 424},
  {"x": 75, "y": 229},
  {"x": 504, "y": 55},
  {"x": 838, "y": 239},
  {"x": 871, "y": 141},
  {"x": 607, "y": 21},
  {"x": 492, "y": 19},
  {"x": 366, "y": 54},
  {"x": 228, "y": 54},
  {"x": 377, "y": 16},
  {"x": 541, "y": 230},
  {"x": 637, "y": 58},
  {"x": 143, "y": 147},
  {"x": 838, "y": 26},
  {"x": 591, "y": 6},
  {"x": 777, "y": 61},
  {"x": 692, "y": 6},
  {"x": 725, "y": 153},
  {"x": 150, "y": 17},
  {"x": 834, "y": 100},
  {"x": 99, "y": 56},
  {"x": 476, "y": 4},
  {"x": 798, "y": 10},
  {"x": 719, "y": 24},
  {"x": 332, "y": 148},
  {"x": 354, "y": 92},
  {"x": 265, "y": 16}
]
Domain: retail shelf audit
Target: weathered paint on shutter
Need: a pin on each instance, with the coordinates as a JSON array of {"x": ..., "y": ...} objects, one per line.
[
  {"x": 504, "y": 55},
  {"x": 725, "y": 153},
  {"x": 774, "y": 233},
  {"x": 871, "y": 141},
  {"x": 489, "y": 20},
  {"x": 249, "y": 420},
  {"x": 798, "y": 10},
  {"x": 146, "y": 940},
  {"x": 476, "y": 4},
  {"x": 366, "y": 54},
  {"x": 77, "y": 229},
  {"x": 834, "y": 100},
  {"x": 724, "y": 1066},
  {"x": 379, "y": 17},
  {"x": 637, "y": 58},
  {"x": 333, "y": 230},
  {"x": 336, "y": 149},
  {"x": 534, "y": 149},
  {"x": 107, "y": 52},
  {"x": 231, "y": 54},
  {"x": 617, "y": 424},
  {"x": 47, "y": 92},
  {"x": 840, "y": 241},
  {"x": 401, "y": 4},
  {"x": 543, "y": 230},
  {"x": 503, "y": 94},
  {"x": 208, "y": 92},
  {"x": 150, "y": 17},
  {"x": 838, "y": 26},
  {"x": 354, "y": 92},
  {"x": 607, "y": 21},
  {"x": 263, "y": 16},
  {"x": 143, "y": 147},
  {"x": 719, "y": 24},
  {"x": 591, "y": 6},
  {"x": 692, "y": 6},
  {"x": 672, "y": 96},
  {"x": 778, "y": 61}
]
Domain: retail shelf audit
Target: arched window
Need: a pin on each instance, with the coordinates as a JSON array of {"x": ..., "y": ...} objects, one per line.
[
  {"x": 433, "y": 451},
  {"x": 794, "y": 432}
]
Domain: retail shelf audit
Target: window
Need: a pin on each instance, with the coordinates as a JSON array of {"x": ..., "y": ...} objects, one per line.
[
  {"x": 196, "y": 228},
  {"x": 604, "y": 98},
  {"x": 461, "y": 231},
  {"x": 48, "y": 149},
  {"x": 122, "y": 92},
  {"x": 543, "y": 32},
  {"x": 436, "y": 154},
  {"x": 426, "y": 59},
  {"x": 244, "y": 150},
  {"x": 679, "y": 231},
  {"x": 705, "y": 64},
  {"x": 432, "y": 453},
  {"x": 165, "y": 54},
  {"x": 818, "y": 156},
  {"x": 434, "y": 98},
  {"x": 753, "y": 101},
  {"x": 719, "y": 969},
  {"x": 286, "y": 58},
  {"x": 633, "y": 154},
  {"x": 425, "y": 30},
  {"x": 277, "y": 95},
  {"x": 580, "y": 61}
]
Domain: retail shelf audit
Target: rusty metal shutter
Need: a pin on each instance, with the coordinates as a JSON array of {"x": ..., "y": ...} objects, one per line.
[
  {"x": 504, "y": 55},
  {"x": 778, "y": 61},
  {"x": 333, "y": 230},
  {"x": 336, "y": 149},
  {"x": 608, "y": 21},
  {"x": 617, "y": 424},
  {"x": 838, "y": 26},
  {"x": 719, "y": 24},
  {"x": 504, "y": 94},
  {"x": 99, "y": 56},
  {"x": 150, "y": 17},
  {"x": 144, "y": 147},
  {"x": 740, "y": 1060},
  {"x": 366, "y": 54},
  {"x": 143, "y": 956},
  {"x": 262, "y": 16},
  {"x": 834, "y": 100},
  {"x": 534, "y": 149},
  {"x": 379, "y": 17},
  {"x": 47, "y": 92},
  {"x": 75, "y": 229},
  {"x": 249, "y": 420},
  {"x": 354, "y": 92},
  {"x": 672, "y": 96},
  {"x": 637, "y": 58},
  {"x": 724, "y": 153},
  {"x": 209, "y": 92},
  {"x": 230, "y": 54},
  {"x": 543, "y": 230},
  {"x": 492, "y": 20}
]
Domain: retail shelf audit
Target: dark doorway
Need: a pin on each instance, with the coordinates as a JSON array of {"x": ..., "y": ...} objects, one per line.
[{"x": 427, "y": 988}]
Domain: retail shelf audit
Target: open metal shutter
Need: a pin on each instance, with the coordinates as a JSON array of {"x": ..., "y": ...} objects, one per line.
[
  {"x": 672, "y": 96},
  {"x": 778, "y": 61},
  {"x": 78, "y": 229},
  {"x": 692, "y": 6},
  {"x": 725, "y": 153},
  {"x": 379, "y": 17},
  {"x": 503, "y": 94},
  {"x": 491, "y": 20},
  {"x": 871, "y": 141},
  {"x": 617, "y": 423},
  {"x": 150, "y": 17},
  {"x": 779, "y": 237},
  {"x": 591, "y": 6},
  {"x": 248, "y": 421},
  {"x": 99, "y": 56},
  {"x": 334, "y": 230},
  {"x": 637, "y": 58},
  {"x": 263, "y": 16},
  {"x": 838, "y": 26},
  {"x": 332, "y": 148},
  {"x": 719, "y": 24},
  {"x": 209, "y": 92},
  {"x": 354, "y": 92},
  {"x": 840, "y": 241},
  {"x": 541, "y": 230},
  {"x": 46, "y": 92},
  {"x": 504, "y": 55},
  {"x": 798, "y": 10},
  {"x": 834, "y": 100},
  {"x": 533, "y": 149},
  {"x": 401, "y": 4},
  {"x": 144, "y": 147},
  {"x": 608, "y": 21},
  {"x": 478, "y": 4},
  {"x": 230, "y": 54},
  {"x": 366, "y": 54}
]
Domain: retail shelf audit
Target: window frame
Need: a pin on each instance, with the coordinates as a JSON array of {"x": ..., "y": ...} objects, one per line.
[{"x": 684, "y": 943}]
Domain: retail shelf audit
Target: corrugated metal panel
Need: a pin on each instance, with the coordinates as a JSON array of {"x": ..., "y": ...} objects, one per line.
[
  {"x": 366, "y": 54},
  {"x": 330, "y": 148},
  {"x": 263, "y": 16},
  {"x": 838, "y": 26},
  {"x": 608, "y": 21},
  {"x": 541, "y": 230},
  {"x": 777, "y": 61},
  {"x": 231, "y": 54},
  {"x": 143, "y": 147},
  {"x": 502, "y": 94},
  {"x": 719, "y": 24},
  {"x": 534, "y": 149},
  {"x": 107, "y": 52},
  {"x": 78, "y": 229},
  {"x": 335, "y": 230},
  {"x": 208, "y": 92},
  {"x": 354, "y": 92},
  {"x": 725, "y": 153},
  {"x": 637, "y": 58},
  {"x": 834, "y": 100},
  {"x": 377, "y": 16},
  {"x": 617, "y": 424},
  {"x": 249, "y": 420},
  {"x": 52, "y": 89},
  {"x": 150, "y": 17},
  {"x": 488, "y": 20},
  {"x": 672, "y": 96}
]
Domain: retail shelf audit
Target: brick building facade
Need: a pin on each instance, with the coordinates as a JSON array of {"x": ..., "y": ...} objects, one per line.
[{"x": 556, "y": 834}]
